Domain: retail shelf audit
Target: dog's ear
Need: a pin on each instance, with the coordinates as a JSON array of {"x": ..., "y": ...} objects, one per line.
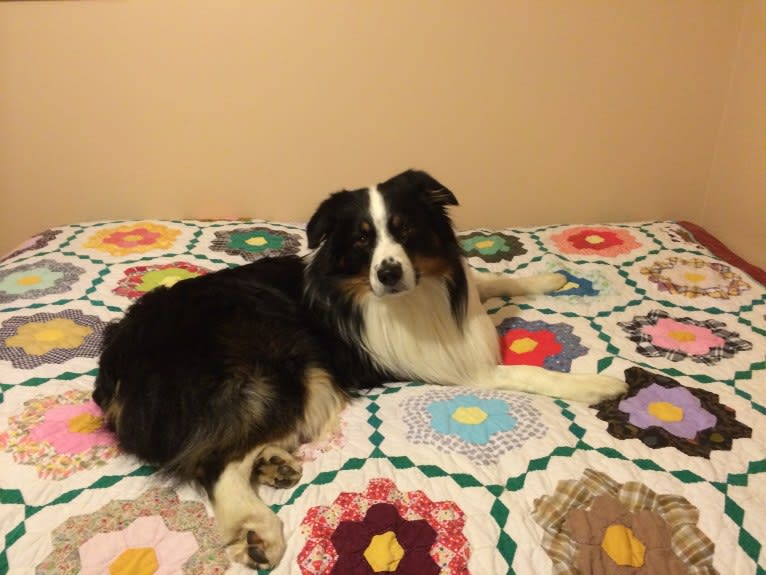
[
  {"x": 323, "y": 221},
  {"x": 434, "y": 192}
]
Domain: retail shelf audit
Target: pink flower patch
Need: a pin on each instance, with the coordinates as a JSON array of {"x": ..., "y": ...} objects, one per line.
[
  {"x": 59, "y": 434},
  {"x": 73, "y": 428},
  {"x": 691, "y": 339},
  {"x": 601, "y": 241}
]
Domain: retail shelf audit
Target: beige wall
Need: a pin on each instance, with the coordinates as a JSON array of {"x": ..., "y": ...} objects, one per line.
[
  {"x": 533, "y": 112},
  {"x": 736, "y": 201}
]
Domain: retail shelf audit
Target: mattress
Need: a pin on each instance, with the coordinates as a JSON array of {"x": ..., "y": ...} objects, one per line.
[{"x": 418, "y": 478}]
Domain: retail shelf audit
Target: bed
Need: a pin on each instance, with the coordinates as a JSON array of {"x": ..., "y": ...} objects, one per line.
[{"x": 418, "y": 479}]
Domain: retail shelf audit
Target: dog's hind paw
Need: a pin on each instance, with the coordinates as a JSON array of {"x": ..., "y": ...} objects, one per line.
[{"x": 276, "y": 467}]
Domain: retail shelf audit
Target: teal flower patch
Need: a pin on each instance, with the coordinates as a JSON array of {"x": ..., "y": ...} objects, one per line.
[
  {"x": 491, "y": 247},
  {"x": 29, "y": 281},
  {"x": 482, "y": 425},
  {"x": 575, "y": 286},
  {"x": 472, "y": 419}
]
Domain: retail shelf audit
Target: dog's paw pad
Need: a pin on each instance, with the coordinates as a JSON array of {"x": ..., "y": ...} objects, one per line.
[
  {"x": 277, "y": 468},
  {"x": 255, "y": 551}
]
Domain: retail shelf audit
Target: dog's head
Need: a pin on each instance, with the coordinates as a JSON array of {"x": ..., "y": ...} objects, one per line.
[{"x": 386, "y": 238}]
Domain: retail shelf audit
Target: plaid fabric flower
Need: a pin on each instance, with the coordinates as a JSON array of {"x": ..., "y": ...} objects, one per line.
[
  {"x": 597, "y": 526},
  {"x": 255, "y": 242},
  {"x": 659, "y": 335},
  {"x": 661, "y": 412},
  {"x": 29, "y": 342},
  {"x": 493, "y": 247},
  {"x": 695, "y": 277}
]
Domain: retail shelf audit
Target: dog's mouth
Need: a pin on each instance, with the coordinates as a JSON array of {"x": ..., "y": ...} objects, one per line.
[{"x": 392, "y": 290}]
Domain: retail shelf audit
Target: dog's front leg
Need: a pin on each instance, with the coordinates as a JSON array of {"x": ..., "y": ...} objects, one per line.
[
  {"x": 503, "y": 285},
  {"x": 582, "y": 387},
  {"x": 252, "y": 531}
]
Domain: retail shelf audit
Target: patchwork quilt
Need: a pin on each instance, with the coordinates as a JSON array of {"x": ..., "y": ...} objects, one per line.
[{"x": 418, "y": 479}]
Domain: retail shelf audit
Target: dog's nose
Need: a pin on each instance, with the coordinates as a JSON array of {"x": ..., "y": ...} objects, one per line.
[{"x": 390, "y": 273}]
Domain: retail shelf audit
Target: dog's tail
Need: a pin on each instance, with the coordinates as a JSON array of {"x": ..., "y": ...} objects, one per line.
[
  {"x": 585, "y": 388},
  {"x": 503, "y": 285}
]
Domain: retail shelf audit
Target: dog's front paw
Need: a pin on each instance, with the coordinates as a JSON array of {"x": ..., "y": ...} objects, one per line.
[
  {"x": 550, "y": 282},
  {"x": 592, "y": 389},
  {"x": 258, "y": 546}
]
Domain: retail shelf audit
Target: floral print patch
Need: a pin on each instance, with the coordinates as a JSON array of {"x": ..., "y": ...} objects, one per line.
[
  {"x": 657, "y": 334},
  {"x": 384, "y": 530},
  {"x": 694, "y": 277},
  {"x": 481, "y": 425},
  {"x": 136, "y": 238},
  {"x": 33, "y": 280},
  {"x": 156, "y": 533},
  {"x": 139, "y": 280},
  {"x": 597, "y": 526},
  {"x": 59, "y": 435},
  {"x": 30, "y": 341},
  {"x": 591, "y": 240},
  {"x": 256, "y": 242},
  {"x": 549, "y": 345},
  {"x": 491, "y": 247},
  {"x": 661, "y": 412}
]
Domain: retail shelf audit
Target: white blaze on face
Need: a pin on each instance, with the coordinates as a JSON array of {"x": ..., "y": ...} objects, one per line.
[{"x": 387, "y": 249}]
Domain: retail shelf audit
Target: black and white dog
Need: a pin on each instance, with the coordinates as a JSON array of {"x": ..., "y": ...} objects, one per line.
[{"x": 218, "y": 379}]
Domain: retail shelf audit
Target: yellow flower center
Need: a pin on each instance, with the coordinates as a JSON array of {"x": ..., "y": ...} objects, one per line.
[
  {"x": 665, "y": 411},
  {"x": 523, "y": 345},
  {"x": 622, "y": 546},
  {"x": 135, "y": 561},
  {"x": 49, "y": 335},
  {"x": 85, "y": 423},
  {"x": 682, "y": 336},
  {"x": 384, "y": 552},
  {"x": 469, "y": 415},
  {"x": 484, "y": 244},
  {"x": 170, "y": 281},
  {"x": 694, "y": 277},
  {"x": 133, "y": 238},
  {"x": 257, "y": 241},
  {"x": 594, "y": 239},
  {"x": 29, "y": 280}
]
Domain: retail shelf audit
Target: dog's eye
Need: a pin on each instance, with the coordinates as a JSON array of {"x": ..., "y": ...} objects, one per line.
[{"x": 362, "y": 241}]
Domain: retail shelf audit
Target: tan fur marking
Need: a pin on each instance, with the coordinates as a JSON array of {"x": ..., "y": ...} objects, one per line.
[
  {"x": 358, "y": 286},
  {"x": 324, "y": 402},
  {"x": 431, "y": 266}
]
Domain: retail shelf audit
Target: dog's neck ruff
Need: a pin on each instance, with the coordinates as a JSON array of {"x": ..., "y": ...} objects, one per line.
[{"x": 415, "y": 335}]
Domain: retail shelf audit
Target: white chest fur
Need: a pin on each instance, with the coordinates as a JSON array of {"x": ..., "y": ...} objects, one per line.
[{"x": 414, "y": 335}]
